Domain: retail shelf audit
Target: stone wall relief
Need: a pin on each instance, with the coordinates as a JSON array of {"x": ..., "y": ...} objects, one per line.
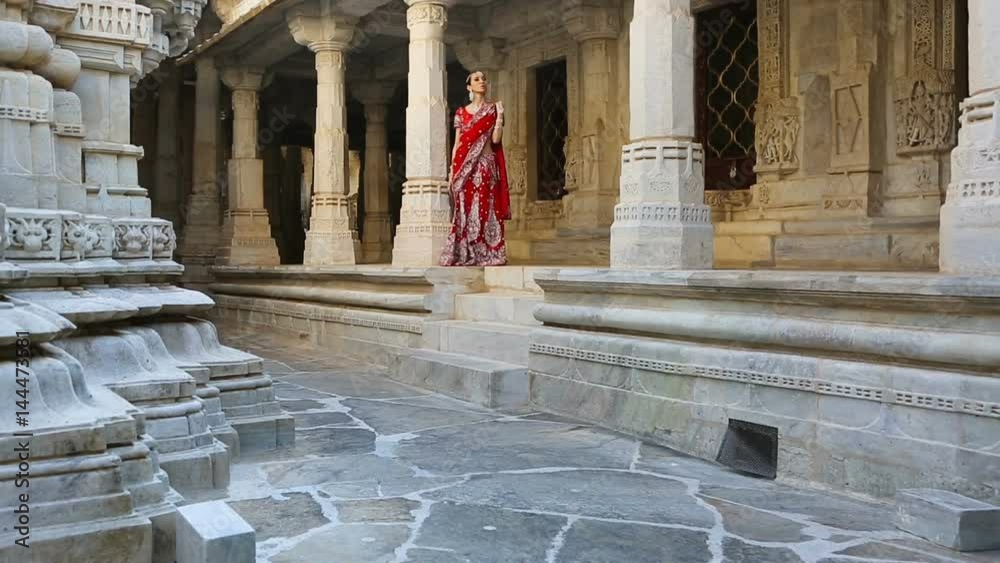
[
  {"x": 777, "y": 120},
  {"x": 925, "y": 102}
]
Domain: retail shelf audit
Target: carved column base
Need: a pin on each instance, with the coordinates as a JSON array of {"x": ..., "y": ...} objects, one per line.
[
  {"x": 424, "y": 223},
  {"x": 377, "y": 245},
  {"x": 331, "y": 239},
  {"x": 246, "y": 240},
  {"x": 662, "y": 221},
  {"x": 662, "y": 236}
]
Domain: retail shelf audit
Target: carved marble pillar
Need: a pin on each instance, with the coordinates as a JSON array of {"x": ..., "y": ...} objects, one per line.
[
  {"x": 591, "y": 200},
  {"x": 662, "y": 221},
  {"x": 425, "y": 218},
  {"x": 332, "y": 238},
  {"x": 777, "y": 120},
  {"x": 200, "y": 237},
  {"x": 246, "y": 231},
  {"x": 167, "y": 200},
  {"x": 376, "y": 244},
  {"x": 970, "y": 217}
]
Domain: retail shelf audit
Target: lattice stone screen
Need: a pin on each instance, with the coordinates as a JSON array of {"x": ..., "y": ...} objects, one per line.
[
  {"x": 552, "y": 121},
  {"x": 727, "y": 90}
]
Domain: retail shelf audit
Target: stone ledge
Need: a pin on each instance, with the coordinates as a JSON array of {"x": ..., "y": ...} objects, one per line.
[{"x": 948, "y": 519}]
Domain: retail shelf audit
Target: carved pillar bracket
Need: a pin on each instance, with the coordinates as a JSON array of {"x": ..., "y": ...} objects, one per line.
[
  {"x": 970, "y": 217},
  {"x": 332, "y": 237},
  {"x": 377, "y": 243},
  {"x": 426, "y": 211},
  {"x": 662, "y": 221},
  {"x": 246, "y": 230}
]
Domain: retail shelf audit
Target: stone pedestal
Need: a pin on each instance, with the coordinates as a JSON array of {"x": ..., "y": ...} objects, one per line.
[
  {"x": 425, "y": 218},
  {"x": 200, "y": 236},
  {"x": 970, "y": 217},
  {"x": 662, "y": 222},
  {"x": 332, "y": 237},
  {"x": 246, "y": 231},
  {"x": 377, "y": 242}
]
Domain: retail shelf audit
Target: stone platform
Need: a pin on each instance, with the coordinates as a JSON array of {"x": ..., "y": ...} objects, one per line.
[
  {"x": 873, "y": 382},
  {"x": 383, "y": 472}
]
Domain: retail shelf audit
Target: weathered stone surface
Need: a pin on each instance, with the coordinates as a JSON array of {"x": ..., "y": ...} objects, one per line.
[
  {"x": 211, "y": 532},
  {"x": 358, "y": 542},
  {"x": 323, "y": 442},
  {"x": 350, "y": 384},
  {"x": 272, "y": 518},
  {"x": 376, "y": 510},
  {"x": 297, "y": 405},
  {"x": 835, "y": 512},
  {"x": 387, "y": 418},
  {"x": 486, "y": 447},
  {"x": 757, "y": 525},
  {"x": 484, "y": 533},
  {"x": 949, "y": 519},
  {"x": 332, "y": 470},
  {"x": 597, "y": 494},
  {"x": 608, "y": 542},
  {"x": 736, "y": 551},
  {"x": 310, "y": 420},
  {"x": 883, "y": 551}
]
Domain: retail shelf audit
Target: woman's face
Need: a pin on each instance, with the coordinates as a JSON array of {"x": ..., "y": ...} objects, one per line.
[{"x": 477, "y": 83}]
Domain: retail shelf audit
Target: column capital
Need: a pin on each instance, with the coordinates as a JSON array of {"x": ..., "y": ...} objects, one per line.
[
  {"x": 245, "y": 78},
  {"x": 433, "y": 12},
  {"x": 591, "y": 19},
  {"x": 319, "y": 31},
  {"x": 484, "y": 54},
  {"x": 374, "y": 92}
]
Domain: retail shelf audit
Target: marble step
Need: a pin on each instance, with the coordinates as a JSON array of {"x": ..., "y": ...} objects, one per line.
[
  {"x": 486, "y": 382},
  {"x": 508, "y": 308},
  {"x": 492, "y": 341}
]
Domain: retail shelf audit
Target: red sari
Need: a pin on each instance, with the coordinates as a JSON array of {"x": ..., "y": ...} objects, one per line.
[{"x": 479, "y": 195}]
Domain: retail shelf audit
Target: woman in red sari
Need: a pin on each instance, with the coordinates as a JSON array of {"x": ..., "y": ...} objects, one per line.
[{"x": 478, "y": 181}]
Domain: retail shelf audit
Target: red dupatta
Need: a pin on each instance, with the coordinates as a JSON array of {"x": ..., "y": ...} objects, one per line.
[{"x": 473, "y": 136}]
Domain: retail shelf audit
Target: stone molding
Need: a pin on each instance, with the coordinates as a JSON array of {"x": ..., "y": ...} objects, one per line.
[
  {"x": 322, "y": 313},
  {"x": 586, "y": 20},
  {"x": 821, "y": 387}
]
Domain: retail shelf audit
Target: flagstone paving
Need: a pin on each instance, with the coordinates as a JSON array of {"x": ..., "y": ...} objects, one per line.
[{"x": 383, "y": 473}]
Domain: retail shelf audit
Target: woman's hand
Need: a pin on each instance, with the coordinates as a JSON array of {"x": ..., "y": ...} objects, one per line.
[{"x": 499, "y": 114}]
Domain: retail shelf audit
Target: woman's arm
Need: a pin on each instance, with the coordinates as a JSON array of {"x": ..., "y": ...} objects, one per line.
[{"x": 498, "y": 128}]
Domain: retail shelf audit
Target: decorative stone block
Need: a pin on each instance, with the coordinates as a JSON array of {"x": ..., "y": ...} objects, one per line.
[
  {"x": 948, "y": 519},
  {"x": 211, "y": 532}
]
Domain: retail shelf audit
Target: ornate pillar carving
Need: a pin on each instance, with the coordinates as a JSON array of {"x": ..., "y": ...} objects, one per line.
[
  {"x": 970, "y": 217},
  {"x": 591, "y": 198},
  {"x": 246, "y": 231},
  {"x": 377, "y": 241},
  {"x": 425, "y": 219},
  {"x": 662, "y": 221},
  {"x": 200, "y": 237},
  {"x": 777, "y": 121},
  {"x": 332, "y": 237}
]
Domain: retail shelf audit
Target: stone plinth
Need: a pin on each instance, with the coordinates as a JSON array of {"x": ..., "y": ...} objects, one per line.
[
  {"x": 212, "y": 532},
  {"x": 947, "y": 519},
  {"x": 874, "y": 382}
]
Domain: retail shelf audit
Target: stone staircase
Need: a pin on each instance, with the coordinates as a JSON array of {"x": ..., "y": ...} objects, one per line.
[{"x": 482, "y": 354}]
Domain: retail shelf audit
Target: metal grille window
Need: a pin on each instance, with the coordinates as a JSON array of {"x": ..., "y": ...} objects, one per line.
[
  {"x": 552, "y": 122},
  {"x": 727, "y": 85}
]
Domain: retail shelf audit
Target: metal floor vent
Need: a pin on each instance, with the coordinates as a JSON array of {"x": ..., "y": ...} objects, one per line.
[{"x": 750, "y": 448}]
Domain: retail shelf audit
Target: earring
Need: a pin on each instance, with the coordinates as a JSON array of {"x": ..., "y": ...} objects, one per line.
[{"x": 471, "y": 97}]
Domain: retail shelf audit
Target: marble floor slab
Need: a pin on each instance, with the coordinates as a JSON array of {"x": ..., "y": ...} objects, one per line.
[{"x": 386, "y": 473}]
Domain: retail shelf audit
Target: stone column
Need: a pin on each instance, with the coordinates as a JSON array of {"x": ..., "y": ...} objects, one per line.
[
  {"x": 167, "y": 200},
  {"x": 662, "y": 221},
  {"x": 591, "y": 200},
  {"x": 970, "y": 217},
  {"x": 200, "y": 237},
  {"x": 425, "y": 219},
  {"x": 246, "y": 232},
  {"x": 332, "y": 238},
  {"x": 377, "y": 242}
]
